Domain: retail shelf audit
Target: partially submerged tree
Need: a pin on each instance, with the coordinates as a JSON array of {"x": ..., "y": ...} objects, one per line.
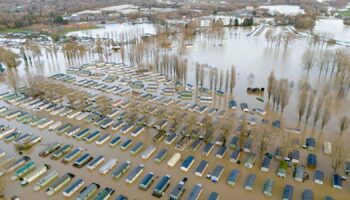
[
  {"x": 308, "y": 60},
  {"x": 310, "y": 105},
  {"x": 270, "y": 84}
]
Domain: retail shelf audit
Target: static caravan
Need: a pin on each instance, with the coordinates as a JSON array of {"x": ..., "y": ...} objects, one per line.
[
  {"x": 148, "y": 152},
  {"x": 265, "y": 165},
  {"x": 134, "y": 174},
  {"x": 95, "y": 162},
  {"x": 268, "y": 186},
  {"x": 174, "y": 159},
  {"x": 318, "y": 177},
  {"x": 233, "y": 177},
  {"x": 337, "y": 181},
  {"x": 221, "y": 152},
  {"x": 327, "y": 148},
  {"x": 161, "y": 186},
  {"x": 187, "y": 163},
  {"x": 214, "y": 196},
  {"x": 207, "y": 149},
  {"x": 196, "y": 192},
  {"x": 147, "y": 181},
  {"x": 203, "y": 165},
  {"x": 311, "y": 161},
  {"x": 282, "y": 169},
  {"x": 308, "y": 195},
  {"x": 74, "y": 187},
  {"x": 121, "y": 169},
  {"x": 249, "y": 183},
  {"x": 288, "y": 192},
  {"x": 161, "y": 155},
  {"x": 216, "y": 173},
  {"x": 108, "y": 166},
  {"x": 234, "y": 142},
  {"x": 299, "y": 173},
  {"x": 250, "y": 160},
  {"x": 310, "y": 143}
]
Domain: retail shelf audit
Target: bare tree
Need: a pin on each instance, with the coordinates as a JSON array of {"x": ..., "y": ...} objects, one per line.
[
  {"x": 338, "y": 153},
  {"x": 221, "y": 79},
  {"x": 227, "y": 79},
  {"x": 243, "y": 130},
  {"x": 302, "y": 102},
  {"x": 263, "y": 140},
  {"x": 318, "y": 109},
  {"x": 233, "y": 78},
  {"x": 310, "y": 105},
  {"x": 343, "y": 124},
  {"x": 13, "y": 79},
  {"x": 251, "y": 79},
  {"x": 270, "y": 84},
  {"x": 326, "y": 115},
  {"x": 284, "y": 94},
  {"x": 308, "y": 60}
]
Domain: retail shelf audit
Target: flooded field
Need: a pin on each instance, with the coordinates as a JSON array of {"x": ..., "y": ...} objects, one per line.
[{"x": 250, "y": 55}]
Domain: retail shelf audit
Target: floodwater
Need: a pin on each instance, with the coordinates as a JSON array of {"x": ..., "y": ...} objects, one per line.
[
  {"x": 249, "y": 55},
  {"x": 114, "y": 29},
  {"x": 334, "y": 28},
  {"x": 284, "y": 9}
]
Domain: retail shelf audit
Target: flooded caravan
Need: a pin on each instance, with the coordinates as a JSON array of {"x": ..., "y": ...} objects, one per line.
[
  {"x": 216, "y": 173},
  {"x": 82, "y": 134},
  {"x": 174, "y": 159},
  {"x": 147, "y": 181},
  {"x": 51, "y": 148},
  {"x": 22, "y": 171},
  {"x": 90, "y": 138},
  {"x": 203, "y": 165},
  {"x": 249, "y": 183},
  {"x": 235, "y": 155},
  {"x": 250, "y": 160},
  {"x": 95, "y": 162},
  {"x": 126, "y": 144},
  {"x": 115, "y": 141},
  {"x": 221, "y": 152},
  {"x": 108, "y": 166},
  {"x": 121, "y": 169},
  {"x": 88, "y": 191},
  {"x": 207, "y": 149},
  {"x": 196, "y": 192},
  {"x": 233, "y": 177},
  {"x": 268, "y": 186},
  {"x": 161, "y": 186},
  {"x": 105, "y": 194},
  {"x": 136, "y": 148},
  {"x": 161, "y": 155},
  {"x": 70, "y": 132},
  {"x": 214, "y": 196},
  {"x": 103, "y": 139},
  {"x": 45, "y": 180},
  {"x": 137, "y": 131},
  {"x": 59, "y": 183},
  {"x": 14, "y": 165},
  {"x": 134, "y": 174},
  {"x": 178, "y": 190},
  {"x": 73, "y": 188},
  {"x": 61, "y": 151},
  {"x": 288, "y": 192},
  {"x": 82, "y": 160},
  {"x": 148, "y": 152},
  {"x": 72, "y": 155},
  {"x": 187, "y": 163}
]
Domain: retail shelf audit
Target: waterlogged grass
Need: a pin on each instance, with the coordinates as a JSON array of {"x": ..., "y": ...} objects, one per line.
[
  {"x": 73, "y": 29},
  {"x": 14, "y": 30}
]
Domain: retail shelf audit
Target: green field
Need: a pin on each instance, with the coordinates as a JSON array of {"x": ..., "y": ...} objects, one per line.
[{"x": 345, "y": 13}]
